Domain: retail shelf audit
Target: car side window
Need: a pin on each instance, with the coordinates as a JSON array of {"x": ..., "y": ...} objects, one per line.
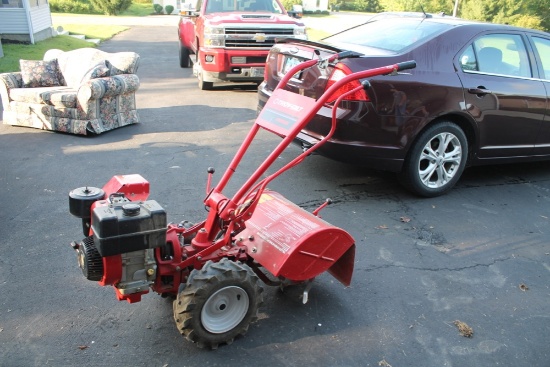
[
  {"x": 468, "y": 59},
  {"x": 501, "y": 54},
  {"x": 542, "y": 46}
]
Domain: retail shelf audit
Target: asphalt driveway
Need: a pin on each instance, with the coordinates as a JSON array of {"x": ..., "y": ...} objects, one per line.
[{"x": 479, "y": 255}]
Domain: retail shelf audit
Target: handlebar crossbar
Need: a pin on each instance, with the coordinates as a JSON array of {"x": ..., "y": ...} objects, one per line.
[{"x": 253, "y": 180}]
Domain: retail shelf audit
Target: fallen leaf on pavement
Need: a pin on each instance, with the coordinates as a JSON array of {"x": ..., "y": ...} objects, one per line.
[
  {"x": 523, "y": 287},
  {"x": 405, "y": 219},
  {"x": 383, "y": 363},
  {"x": 82, "y": 347},
  {"x": 464, "y": 329}
]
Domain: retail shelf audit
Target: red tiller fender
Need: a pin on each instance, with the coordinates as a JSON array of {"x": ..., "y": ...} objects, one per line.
[{"x": 295, "y": 244}]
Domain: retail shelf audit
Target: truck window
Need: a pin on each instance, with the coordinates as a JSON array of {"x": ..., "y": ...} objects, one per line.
[{"x": 216, "y": 6}]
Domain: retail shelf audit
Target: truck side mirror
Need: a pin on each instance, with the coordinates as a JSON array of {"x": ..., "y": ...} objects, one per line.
[{"x": 188, "y": 8}]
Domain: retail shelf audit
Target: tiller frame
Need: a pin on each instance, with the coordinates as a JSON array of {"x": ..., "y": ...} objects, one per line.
[{"x": 255, "y": 234}]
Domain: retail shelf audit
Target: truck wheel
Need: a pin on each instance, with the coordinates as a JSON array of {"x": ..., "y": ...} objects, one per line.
[
  {"x": 436, "y": 160},
  {"x": 218, "y": 303},
  {"x": 204, "y": 85},
  {"x": 184, "y": 57}
]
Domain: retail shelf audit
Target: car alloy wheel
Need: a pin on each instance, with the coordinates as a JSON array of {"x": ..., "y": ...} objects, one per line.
[{"x": 436, "y": 160}]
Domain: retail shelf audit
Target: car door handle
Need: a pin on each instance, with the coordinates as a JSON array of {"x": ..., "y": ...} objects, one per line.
[{"x": 479, "y": 91}]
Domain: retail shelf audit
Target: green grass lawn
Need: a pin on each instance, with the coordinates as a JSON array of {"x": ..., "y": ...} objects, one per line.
[
  {"x": 93, "y": 31},
  {"x": 316, "y": 34},
  {"x": 14, "y": 52},
  {"x": 139, "y": 9}
]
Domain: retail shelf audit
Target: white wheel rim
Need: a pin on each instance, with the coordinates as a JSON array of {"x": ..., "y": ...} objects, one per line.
[
  {"x": 225, "y": 309},
  {"x": 439, "y": 160}
]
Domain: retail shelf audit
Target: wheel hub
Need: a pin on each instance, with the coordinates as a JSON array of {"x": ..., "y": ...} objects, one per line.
[
  {"x": 439, "y": 161},
  {"x": 225, "y": 309}
]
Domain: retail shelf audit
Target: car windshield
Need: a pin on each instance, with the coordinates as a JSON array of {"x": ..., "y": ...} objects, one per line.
[{"x": 393, "y": 35}]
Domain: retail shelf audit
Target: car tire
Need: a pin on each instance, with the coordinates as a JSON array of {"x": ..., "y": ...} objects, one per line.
[
  {"x": 184, "y": 57},
  {"x": 436, "y": 160}
]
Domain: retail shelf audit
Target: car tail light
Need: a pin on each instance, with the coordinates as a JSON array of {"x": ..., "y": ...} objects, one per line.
[{"x": 340, "y": 71}]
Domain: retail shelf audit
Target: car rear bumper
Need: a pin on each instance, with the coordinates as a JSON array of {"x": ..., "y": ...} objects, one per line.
[
  {"x": 357, "y": 152},
  {"x": 345, "y": 152}
]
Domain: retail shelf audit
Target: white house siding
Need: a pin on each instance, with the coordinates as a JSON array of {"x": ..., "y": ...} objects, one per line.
[
  {"x": 314, "y": 5},
  {"x": 13, "y": 21},
  {"x": 14, "y": 24},
  {"x": 41, "y": 18}
]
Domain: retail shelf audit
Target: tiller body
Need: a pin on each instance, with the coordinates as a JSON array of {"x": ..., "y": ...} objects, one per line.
[{"x": 214, "y": 267}]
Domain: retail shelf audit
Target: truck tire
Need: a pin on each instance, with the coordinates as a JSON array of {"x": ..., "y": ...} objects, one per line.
[
  {"x": 218, "y": 303},
  {"x": 184, "y": 56},
  {"x": 204, "y": 85}
]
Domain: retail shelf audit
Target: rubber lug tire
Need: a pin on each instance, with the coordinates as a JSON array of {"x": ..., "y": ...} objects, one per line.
[
  {"x": 184, "y": 57},
  {"x": 201, "y": 286},
  {"x": 410, "y": 175}
]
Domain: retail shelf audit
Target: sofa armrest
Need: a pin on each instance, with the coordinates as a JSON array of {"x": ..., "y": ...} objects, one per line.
[
  {"x": 107, "y": 86},
  {"x": 9, "y": 81}
]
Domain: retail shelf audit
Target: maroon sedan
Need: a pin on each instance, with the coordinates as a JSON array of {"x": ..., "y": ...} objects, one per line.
[{"x": 480, "y": 94}]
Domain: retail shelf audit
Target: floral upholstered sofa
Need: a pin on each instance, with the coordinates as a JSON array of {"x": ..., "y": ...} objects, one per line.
[{"x": 80, "y": 92}]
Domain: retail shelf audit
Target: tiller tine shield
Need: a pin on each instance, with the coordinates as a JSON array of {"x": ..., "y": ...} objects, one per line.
[{"x": 293, "y": 243}]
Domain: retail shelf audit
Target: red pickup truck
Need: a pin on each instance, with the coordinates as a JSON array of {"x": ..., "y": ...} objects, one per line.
[{"x": 228, "y": 40}]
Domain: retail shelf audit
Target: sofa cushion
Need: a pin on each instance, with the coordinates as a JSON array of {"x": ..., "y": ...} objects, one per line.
[
  {"x": 99, "y": 70},
  {"x": 39, "y": 73},
  {"x": 53, "y": 96},
  {"x": 123, "y": 63},
  {"x": 75, "y": 64}
]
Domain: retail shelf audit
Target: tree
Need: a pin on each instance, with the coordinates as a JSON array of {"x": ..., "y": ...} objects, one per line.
[
  {"x": 505, "y": 12},
  {"x": 288, "y": 3},
  {"x": 525, "y": 13},
  {"x": 111, "y": 7},
  {"x": 538, "y": 8},
  {"x": 431, "y": 6},
  {"x": 473, "y": 10},
  {"x": 369, "y": 6}
]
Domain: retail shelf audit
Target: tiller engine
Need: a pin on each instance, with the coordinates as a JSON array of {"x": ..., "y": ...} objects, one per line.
[{"x": 214, "y": 267}]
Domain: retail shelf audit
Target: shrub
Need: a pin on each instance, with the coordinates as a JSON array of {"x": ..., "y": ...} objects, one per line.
[
  {"x": 317, "y": 12},
  {"x": 370, "y": 6},
  {"x": 72, "y": 6},
  {"x": 158, "y": 8},
  {"x": 169, "y": 9},
  {"x": 111, "y": 7},
  {"x": 287, "y": 4}
]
